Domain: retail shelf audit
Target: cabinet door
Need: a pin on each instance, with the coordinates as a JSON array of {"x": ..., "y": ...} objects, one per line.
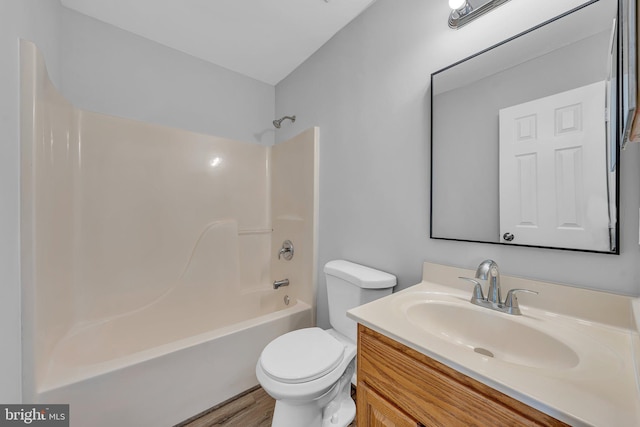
[
  {"x": 405, "y": 386},
  {"x": 375, "y": 411}
]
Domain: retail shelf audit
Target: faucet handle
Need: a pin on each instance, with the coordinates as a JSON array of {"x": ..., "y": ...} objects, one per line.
[
  {"x": 511, "y": 302},
  {"x": 286, "y": 251},
  {"x": 477, "y": 289}
]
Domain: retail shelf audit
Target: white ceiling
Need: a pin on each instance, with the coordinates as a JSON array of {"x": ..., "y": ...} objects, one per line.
[{"x": 262, "y": 39}]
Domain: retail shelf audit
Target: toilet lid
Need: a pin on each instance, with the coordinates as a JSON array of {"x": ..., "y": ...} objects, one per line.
[{"x": 302, "y": 355}]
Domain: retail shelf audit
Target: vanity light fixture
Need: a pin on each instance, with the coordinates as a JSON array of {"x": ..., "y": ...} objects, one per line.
[{"x": 465, "y": 11}]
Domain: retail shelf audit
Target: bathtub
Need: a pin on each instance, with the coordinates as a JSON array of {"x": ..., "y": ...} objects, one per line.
[
  {"x": 148, "y": 257},
  {"x": 160, "y": 365}
]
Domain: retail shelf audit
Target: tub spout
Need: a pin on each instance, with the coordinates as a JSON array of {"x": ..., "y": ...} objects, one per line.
[{"x": 279, "y": 283}]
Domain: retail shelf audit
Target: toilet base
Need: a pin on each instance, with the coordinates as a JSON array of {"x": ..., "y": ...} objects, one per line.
[{"x": 335, "y": 408}]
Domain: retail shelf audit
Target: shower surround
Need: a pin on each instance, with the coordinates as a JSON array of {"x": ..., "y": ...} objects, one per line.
[{"x": 148, "y": 256}]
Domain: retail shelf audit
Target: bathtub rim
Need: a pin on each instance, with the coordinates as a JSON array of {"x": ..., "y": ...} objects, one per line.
[{"x": 93, "y": 371}]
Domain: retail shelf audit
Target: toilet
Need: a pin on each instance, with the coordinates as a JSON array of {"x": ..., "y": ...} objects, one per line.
[{"x": 309, "y": 372}]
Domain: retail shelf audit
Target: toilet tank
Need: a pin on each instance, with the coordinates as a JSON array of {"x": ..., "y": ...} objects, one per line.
[{"x": 350, "y": 285}]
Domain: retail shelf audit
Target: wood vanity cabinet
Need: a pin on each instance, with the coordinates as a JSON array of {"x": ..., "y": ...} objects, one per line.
[{"x": 398, "y": 386}]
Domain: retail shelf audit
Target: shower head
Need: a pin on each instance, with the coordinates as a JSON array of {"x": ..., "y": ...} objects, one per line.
[{"x": 278, "y": 123}]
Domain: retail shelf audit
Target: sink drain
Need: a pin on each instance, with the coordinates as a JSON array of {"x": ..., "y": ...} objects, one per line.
[{"x": 483, "y": 351}]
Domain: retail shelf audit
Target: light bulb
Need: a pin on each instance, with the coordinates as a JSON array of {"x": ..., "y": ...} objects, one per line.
[{"x": 457, "y": 4}]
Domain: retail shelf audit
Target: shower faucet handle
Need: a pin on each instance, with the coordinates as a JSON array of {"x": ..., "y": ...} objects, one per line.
[{"x": 286, "y": 251}]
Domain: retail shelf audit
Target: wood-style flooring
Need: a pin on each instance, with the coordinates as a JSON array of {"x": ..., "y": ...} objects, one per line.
[{"x": 251, "y": 409}]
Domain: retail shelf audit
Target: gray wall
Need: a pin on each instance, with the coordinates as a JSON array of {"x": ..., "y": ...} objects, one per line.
[
  {"x": 109, "y": 70},
  {"x": 104, "y": 69},
  {"x": 368, "y": 90}
]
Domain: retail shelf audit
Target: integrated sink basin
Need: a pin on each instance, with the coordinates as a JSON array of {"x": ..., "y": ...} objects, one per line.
[
  {"x": 571, "y": 353},
  {"x": 491, "y": 334}
]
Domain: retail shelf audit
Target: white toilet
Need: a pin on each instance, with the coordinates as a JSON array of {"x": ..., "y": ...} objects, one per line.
[{"x": 309, "y": 371}]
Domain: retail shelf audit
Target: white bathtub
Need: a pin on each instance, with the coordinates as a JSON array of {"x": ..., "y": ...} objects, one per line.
[
  {"x": 148, "y": 257},
  {"x": 159, "y": 366}
]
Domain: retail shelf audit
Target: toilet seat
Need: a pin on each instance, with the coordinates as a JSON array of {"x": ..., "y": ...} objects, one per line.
[{"x": 301, "y": 356}]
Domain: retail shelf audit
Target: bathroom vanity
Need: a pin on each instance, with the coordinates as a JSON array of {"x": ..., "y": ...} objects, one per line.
[
  {"x": 428, "y": 357},
  {"x": 402, "y": 387}
]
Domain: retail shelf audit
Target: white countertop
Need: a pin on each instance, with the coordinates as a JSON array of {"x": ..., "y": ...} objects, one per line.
[{"x": 600, "y": 390}]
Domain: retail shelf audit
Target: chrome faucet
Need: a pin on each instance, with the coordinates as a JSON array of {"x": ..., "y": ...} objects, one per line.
[
  {"x": 280, "y": 283},
  {"x": 286, "y": 251},
  {"x": 488, "y": 272}
]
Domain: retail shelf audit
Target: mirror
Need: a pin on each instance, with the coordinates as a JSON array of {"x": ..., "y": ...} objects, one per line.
[{"x": 524, "y": 138}]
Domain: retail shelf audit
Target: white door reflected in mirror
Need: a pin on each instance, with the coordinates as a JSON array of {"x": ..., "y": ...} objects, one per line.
[{"x": 553, "y": 168}]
